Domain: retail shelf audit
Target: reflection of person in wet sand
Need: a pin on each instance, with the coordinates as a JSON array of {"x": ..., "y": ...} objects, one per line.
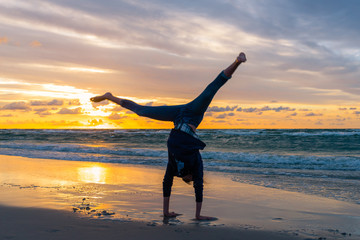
[{"x": 183, "y": 143}]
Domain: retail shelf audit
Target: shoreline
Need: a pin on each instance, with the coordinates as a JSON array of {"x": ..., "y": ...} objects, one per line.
[{"x": 134, "y": 194}]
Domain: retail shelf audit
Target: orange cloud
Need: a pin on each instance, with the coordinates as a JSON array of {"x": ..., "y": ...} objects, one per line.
[
  {"x": 35, "y": 44},
  {"x": 54, "y": 102},
  {"x": 70, "y": 111},
  {"x": 3, "y": 40},
  {"x": 115, "y": 116},
  {"x": 17, "y": 106}
]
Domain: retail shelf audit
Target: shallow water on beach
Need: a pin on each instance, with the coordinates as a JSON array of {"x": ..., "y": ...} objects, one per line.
[{"x": 324, "y": 162}]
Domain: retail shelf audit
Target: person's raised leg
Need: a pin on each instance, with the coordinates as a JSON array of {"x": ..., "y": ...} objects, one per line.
[
  {"x": 232, "y": 68},
  {"x": 199, "y": 105}
]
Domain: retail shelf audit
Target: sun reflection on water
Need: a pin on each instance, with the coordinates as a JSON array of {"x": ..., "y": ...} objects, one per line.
[{"x": 94, "y": 174}]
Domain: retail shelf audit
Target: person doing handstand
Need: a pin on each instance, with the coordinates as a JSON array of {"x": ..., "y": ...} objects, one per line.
[{"x": 184, "y": 145}]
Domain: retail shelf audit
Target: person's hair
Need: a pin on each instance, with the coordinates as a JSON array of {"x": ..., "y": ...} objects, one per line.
[{"x": 186, "y": 180}]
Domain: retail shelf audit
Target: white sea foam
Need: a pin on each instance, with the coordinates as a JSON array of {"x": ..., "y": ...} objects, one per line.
[
  {"x": 212, "y": 158},
  {"x": 241, "y": 132},
  {"x": 324, "y": 133},
  {"x": 282, "y": 161}
]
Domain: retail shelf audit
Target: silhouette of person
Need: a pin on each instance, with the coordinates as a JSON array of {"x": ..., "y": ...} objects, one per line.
[{"x": 184, "y": 145}]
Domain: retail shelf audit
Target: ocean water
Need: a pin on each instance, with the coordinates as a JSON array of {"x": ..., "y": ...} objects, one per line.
[{"x": 322, "y": 162}]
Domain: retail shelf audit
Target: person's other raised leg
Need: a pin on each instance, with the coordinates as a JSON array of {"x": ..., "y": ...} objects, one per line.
[{"x": 162, "y": 113}]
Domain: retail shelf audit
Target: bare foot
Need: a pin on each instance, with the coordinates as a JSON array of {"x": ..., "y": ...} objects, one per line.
[
  {"x": 172, "y": 214},
  {"x": 101, "y": 98},
  {"x": 206, "y": 218},
  {"x": 241, "y": 58}
]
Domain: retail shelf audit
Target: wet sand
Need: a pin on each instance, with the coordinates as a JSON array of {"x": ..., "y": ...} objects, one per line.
[
  {"x": 32, "y": 223},
  {"x": 54, "y": 199}
]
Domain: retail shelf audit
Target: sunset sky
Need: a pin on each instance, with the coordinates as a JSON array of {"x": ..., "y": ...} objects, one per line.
[{"x": 302, "y": 69}]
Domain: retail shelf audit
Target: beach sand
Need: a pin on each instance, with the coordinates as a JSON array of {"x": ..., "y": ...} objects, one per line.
[{"x": 55, "y": 199}]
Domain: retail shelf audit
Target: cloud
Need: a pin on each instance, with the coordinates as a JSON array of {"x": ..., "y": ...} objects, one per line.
[
  {"x": 17, "y": 106},
  {"x": 279, "y": 109},
  {"x": 247, "y": 110},
  {"x": 40, "y": 109},
  {"x": 313, "y": 114},
  {"x": 3, "y": 40},
  {"x": 218, "y": 121},
  {"x": 38, "y": 103},
  {"x": 54, "y": 102},
  {"x": 70, "y": 111},
  {"x": 7, "y": 115},
  {"x": 221, "y": 109},
  {"x": 266, "y": 108},
  {"x": 42, "y": 112},
  {"x": 357, "y": 112},
  {"x": 115, "y": 116},
  {"x": 221, "y": 116},
  {"x": 341, "y": 119},
  {"x": 35, "y": 44}
]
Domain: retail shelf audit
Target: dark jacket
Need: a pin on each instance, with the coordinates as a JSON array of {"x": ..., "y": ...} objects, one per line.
[{"x": 185, "y": 148}]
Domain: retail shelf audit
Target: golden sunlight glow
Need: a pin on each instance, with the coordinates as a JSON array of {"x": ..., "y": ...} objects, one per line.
[
  {"x": 95, "y": 174},
  {"x": 12, "y": 81},
  {"x": 59, "y": 68},
  {"x": 44, "y": 90}
]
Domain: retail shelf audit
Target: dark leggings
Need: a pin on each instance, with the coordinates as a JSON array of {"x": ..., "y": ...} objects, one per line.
[{"x": 197, "y": 107}]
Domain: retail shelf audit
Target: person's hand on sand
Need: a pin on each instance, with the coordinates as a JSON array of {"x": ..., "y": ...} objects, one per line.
[
  {"x": 241, "y": 58},
  {"x": 172, "y": 214},
  {"x": 101, "y": 98},
  {"x": 206, "y": 218}
]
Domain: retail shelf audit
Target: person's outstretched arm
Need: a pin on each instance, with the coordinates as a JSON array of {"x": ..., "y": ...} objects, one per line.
[
  {"x": 231, "y": 69},
  {"x": 166, "y": 204},
  {"x": 200, "y": 217}
]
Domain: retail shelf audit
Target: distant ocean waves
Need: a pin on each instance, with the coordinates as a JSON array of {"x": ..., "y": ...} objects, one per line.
[
  {"x": 215, "y": 160},
  {"x": 322, "y": 162},
  {"x": 76, "y": 152}
]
